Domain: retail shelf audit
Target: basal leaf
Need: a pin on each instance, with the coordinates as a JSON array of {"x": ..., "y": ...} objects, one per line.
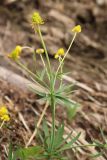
[
  {"x": 26, "y": 153},
  {"x": 64, "y": 89},
  {"x": 59, "y": 136},
  {"x": 69, "y": 145},
  {"x": 64, "y": 140},
  {"x": 46, "y": 133}
]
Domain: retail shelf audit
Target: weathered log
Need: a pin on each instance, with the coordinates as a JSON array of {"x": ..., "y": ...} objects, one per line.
[{"x": 16, "y": 80}]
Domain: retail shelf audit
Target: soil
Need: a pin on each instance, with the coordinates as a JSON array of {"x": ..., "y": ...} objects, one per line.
[{"x": 87, "y": 63}]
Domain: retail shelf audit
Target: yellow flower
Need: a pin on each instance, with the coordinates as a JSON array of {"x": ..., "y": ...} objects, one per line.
[
  {"x": 77, "y": 29},
  {"x": 60, "y": 52},
  {"x": 56, "y": 56},
  {"x": 37, "y": 19},
  {"x": 4, "y": 114},
  {"x": 15, "y": 54},
  {"x": 39, "y": 51},
  {"x": 3, "y": 111},
  {"x": 5, "y": 117}
]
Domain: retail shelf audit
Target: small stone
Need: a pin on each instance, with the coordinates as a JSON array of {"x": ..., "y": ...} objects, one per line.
[{"x": 100, "y": 2}]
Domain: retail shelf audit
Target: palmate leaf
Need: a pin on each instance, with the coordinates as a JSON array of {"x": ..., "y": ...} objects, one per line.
[
  {"x": 27, "y": 153},
  {"x": 69, "y": 104},
  {"x": 59, "y": 136},
  {"x": 42, "y": 94},
  {"x": 69, "y": 145},
  {"x": 62, "y": 100},
  {"x": 65, "y": 89},
  {"x": 65, "y": 100},
  {"x": 60, "y": 75}
]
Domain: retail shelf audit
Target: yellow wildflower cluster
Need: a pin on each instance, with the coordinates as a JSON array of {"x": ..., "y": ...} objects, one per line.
[
  {"x": 37, "y": 19},
  {"x": 15, "y": 54},
  {"x": 4, "y": 116},
  {"x": 59, "y": 53},
  {"x": 77, "y": 29},
  {"x": 39, "y": 50}
]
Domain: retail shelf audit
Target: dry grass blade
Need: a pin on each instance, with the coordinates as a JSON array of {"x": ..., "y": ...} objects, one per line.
[
  {"x": 38, "y": 124},
  {"x": 24, "y": 122}
]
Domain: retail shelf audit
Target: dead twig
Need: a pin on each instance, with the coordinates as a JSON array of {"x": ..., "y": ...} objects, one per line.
[
  {"x": 38, "y": 124},
  {"x": 24, "y": 122}
]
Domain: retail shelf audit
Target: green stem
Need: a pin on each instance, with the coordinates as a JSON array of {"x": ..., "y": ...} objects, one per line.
[
  {"x": 31, "y": 73},
  {"x": 44, "y": 65},
  {"x": 46, "y": 53},
  {"x": 64, "y": 57},
  {"x": 34, "y": 59},
  {"x": 60, "y": 59},
  {"x": 25, "y": 68},
  {"x": 53, "y": 121}
]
